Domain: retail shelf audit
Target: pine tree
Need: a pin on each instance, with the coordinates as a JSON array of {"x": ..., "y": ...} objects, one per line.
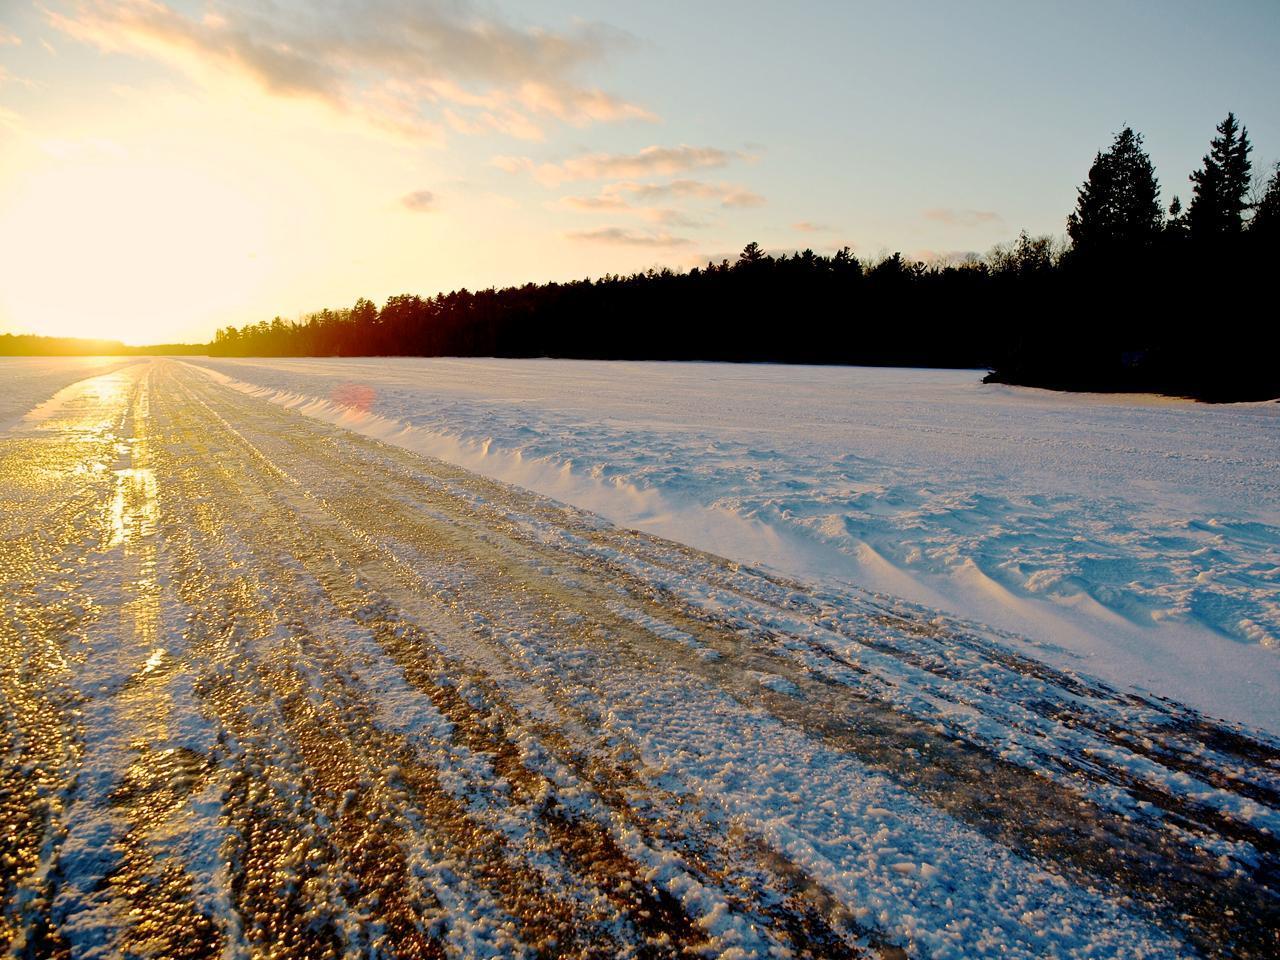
[
  {"x": 1118, "y": 205},
  {"x": 1219, "y": 198},
  {"x": 1265, "y": 224},
  {"x": 1175, "y": 224}
]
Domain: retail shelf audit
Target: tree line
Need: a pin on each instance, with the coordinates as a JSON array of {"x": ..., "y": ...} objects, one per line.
[
  {"x": 1136, "y": 297},
  {"x": 33, "y": 345},
  {"x": 1179, "y": 301}
]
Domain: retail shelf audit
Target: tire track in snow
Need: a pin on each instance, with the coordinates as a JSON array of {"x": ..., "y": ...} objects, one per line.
[
  {"x": 386, "y": 508},
  {"x": 590, "y": 853},
  {"x": 1168, "y": 868}
]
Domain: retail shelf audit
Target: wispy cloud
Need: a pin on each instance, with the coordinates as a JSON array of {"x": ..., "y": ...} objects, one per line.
[
  {"x": 595, "y": 203},
  {"x": 961, "y": 218},
  {"x": 808, "y": 226},
  {"x": 653, "y": 201},
  {"x": 669, "y": 217},
  {"x": 12, "y": 121},
  {"x": 400, "y": 63},
  {"x": 620, "y": 236},
  {"x": 727, "y": 194},
  {"x": 8, "y": 38},
  {"x": 419, "y": 201},
  {"x": 666, "y": 216},
  {"x": 653, "y": 161},
  {"x": 619, "y": 196}
]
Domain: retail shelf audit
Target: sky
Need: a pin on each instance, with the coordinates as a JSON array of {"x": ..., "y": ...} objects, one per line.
[{"x": 168, "y": 167}]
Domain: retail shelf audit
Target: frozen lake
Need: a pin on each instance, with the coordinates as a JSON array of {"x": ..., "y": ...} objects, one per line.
[
  {"x": 266, "y": 683},
  {"x": 1137, "y": 539}
]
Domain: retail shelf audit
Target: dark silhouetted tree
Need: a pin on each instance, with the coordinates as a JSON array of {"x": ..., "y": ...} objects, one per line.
[
  {"x": 1265, "y": 225},
  {"x": 1026, "y": 257},
  {"x": 1175, "y": 225},
  {"x": 845, "y": 264},
  {"x": 1118, "y": 205},
  {"x": 1220, "y": 196},
  {"x": 751, "y": 255}
]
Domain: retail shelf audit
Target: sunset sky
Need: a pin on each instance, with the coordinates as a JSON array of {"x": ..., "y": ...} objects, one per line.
[{"x": 171, "y": 166}]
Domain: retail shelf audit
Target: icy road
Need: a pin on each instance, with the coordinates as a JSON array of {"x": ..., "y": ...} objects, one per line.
[{"x": 270, "y": 688}]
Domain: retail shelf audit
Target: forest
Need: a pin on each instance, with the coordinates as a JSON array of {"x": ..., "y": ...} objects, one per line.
[{"x": 32, "y": 345}]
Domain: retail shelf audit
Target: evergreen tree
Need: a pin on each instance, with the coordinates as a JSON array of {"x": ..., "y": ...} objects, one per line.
[
  {"x": 1175, "y": 224},
  {"x": 1219, "y": 198},
  {"x": 1118, "y": 205},
  {"x": 844, "y": 263},
  {"x": 1265, "y": 224},
  {"x": 751, "y": 254}
]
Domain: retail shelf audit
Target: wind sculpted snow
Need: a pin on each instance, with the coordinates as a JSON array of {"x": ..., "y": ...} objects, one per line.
[
  {"x": 272, "y": 688},
  {"x": 1137, "y": 538}
]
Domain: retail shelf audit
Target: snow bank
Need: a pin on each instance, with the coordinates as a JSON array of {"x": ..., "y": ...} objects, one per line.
[{"x": 1137, "y": 539}]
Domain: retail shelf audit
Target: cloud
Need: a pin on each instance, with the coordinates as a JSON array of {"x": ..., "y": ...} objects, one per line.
[
  {"x": 398, "y": 63},
  {"x": 595, "y": 203},
  {"x": 622, "y": 237},
  {"x": 669, "y": 217},
  {"x": 12, "y": 121},
  {"x": 807, "y": 226},
  {"x": 654, "y": 161},
  {"x": 618, "y": 196},
  {"x": 728, "y": 195},
  {"x": 961, "y": 218},
  {"x": 513, "y": 164},
  {"x": 627, "y": 197},
  {"x": 419, "y": 201},
  {"x": 9, "y": 39}
]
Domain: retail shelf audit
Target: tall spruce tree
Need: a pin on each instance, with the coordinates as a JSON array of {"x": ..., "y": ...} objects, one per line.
[
  {"x": 1118, "y": 206},
  {"x": 1220, "y": 196}
]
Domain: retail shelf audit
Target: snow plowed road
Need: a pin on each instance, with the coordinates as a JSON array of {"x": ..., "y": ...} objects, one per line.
[{"x": 268, "y": 688}]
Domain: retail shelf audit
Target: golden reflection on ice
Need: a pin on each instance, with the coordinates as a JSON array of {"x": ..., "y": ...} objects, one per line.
[
  {"x": 92, "y": 406},
  {"x": 155, "y": 661},
  {"x": 133, "y": 521},
  {"x": 133, "y": 508}
]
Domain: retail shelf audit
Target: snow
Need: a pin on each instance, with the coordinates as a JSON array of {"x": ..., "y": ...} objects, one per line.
[
  {"x": 26, "y": 381},
  {"x": 313, "y": 676},
  {"x": 1133, "y": 538}
]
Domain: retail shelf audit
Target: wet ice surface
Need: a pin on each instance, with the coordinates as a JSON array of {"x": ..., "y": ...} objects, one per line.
[
  {"x": 271, "y": 688},
  {"x": 1135, "y": 538},
  {"x": 26, "y": 381}
]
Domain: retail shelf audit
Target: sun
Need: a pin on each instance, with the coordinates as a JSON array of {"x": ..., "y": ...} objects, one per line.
[{"x": 106, "y": 246}]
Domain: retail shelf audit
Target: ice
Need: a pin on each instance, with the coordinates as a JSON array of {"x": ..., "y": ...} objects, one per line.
[
  {"x": 26, "y": 381},
  {"x": 273, "y": 683},
  {"x": 1135, "y": 538}
]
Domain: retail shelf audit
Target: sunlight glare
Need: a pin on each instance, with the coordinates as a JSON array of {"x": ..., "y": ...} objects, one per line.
[{"x": 105, "y": 246}]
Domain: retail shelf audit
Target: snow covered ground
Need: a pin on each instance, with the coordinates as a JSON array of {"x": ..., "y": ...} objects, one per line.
[
  {"x": 269, "y": 688},
  {"x": 26, "y": 381},
  {"x": 1137, "y": 539}
]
